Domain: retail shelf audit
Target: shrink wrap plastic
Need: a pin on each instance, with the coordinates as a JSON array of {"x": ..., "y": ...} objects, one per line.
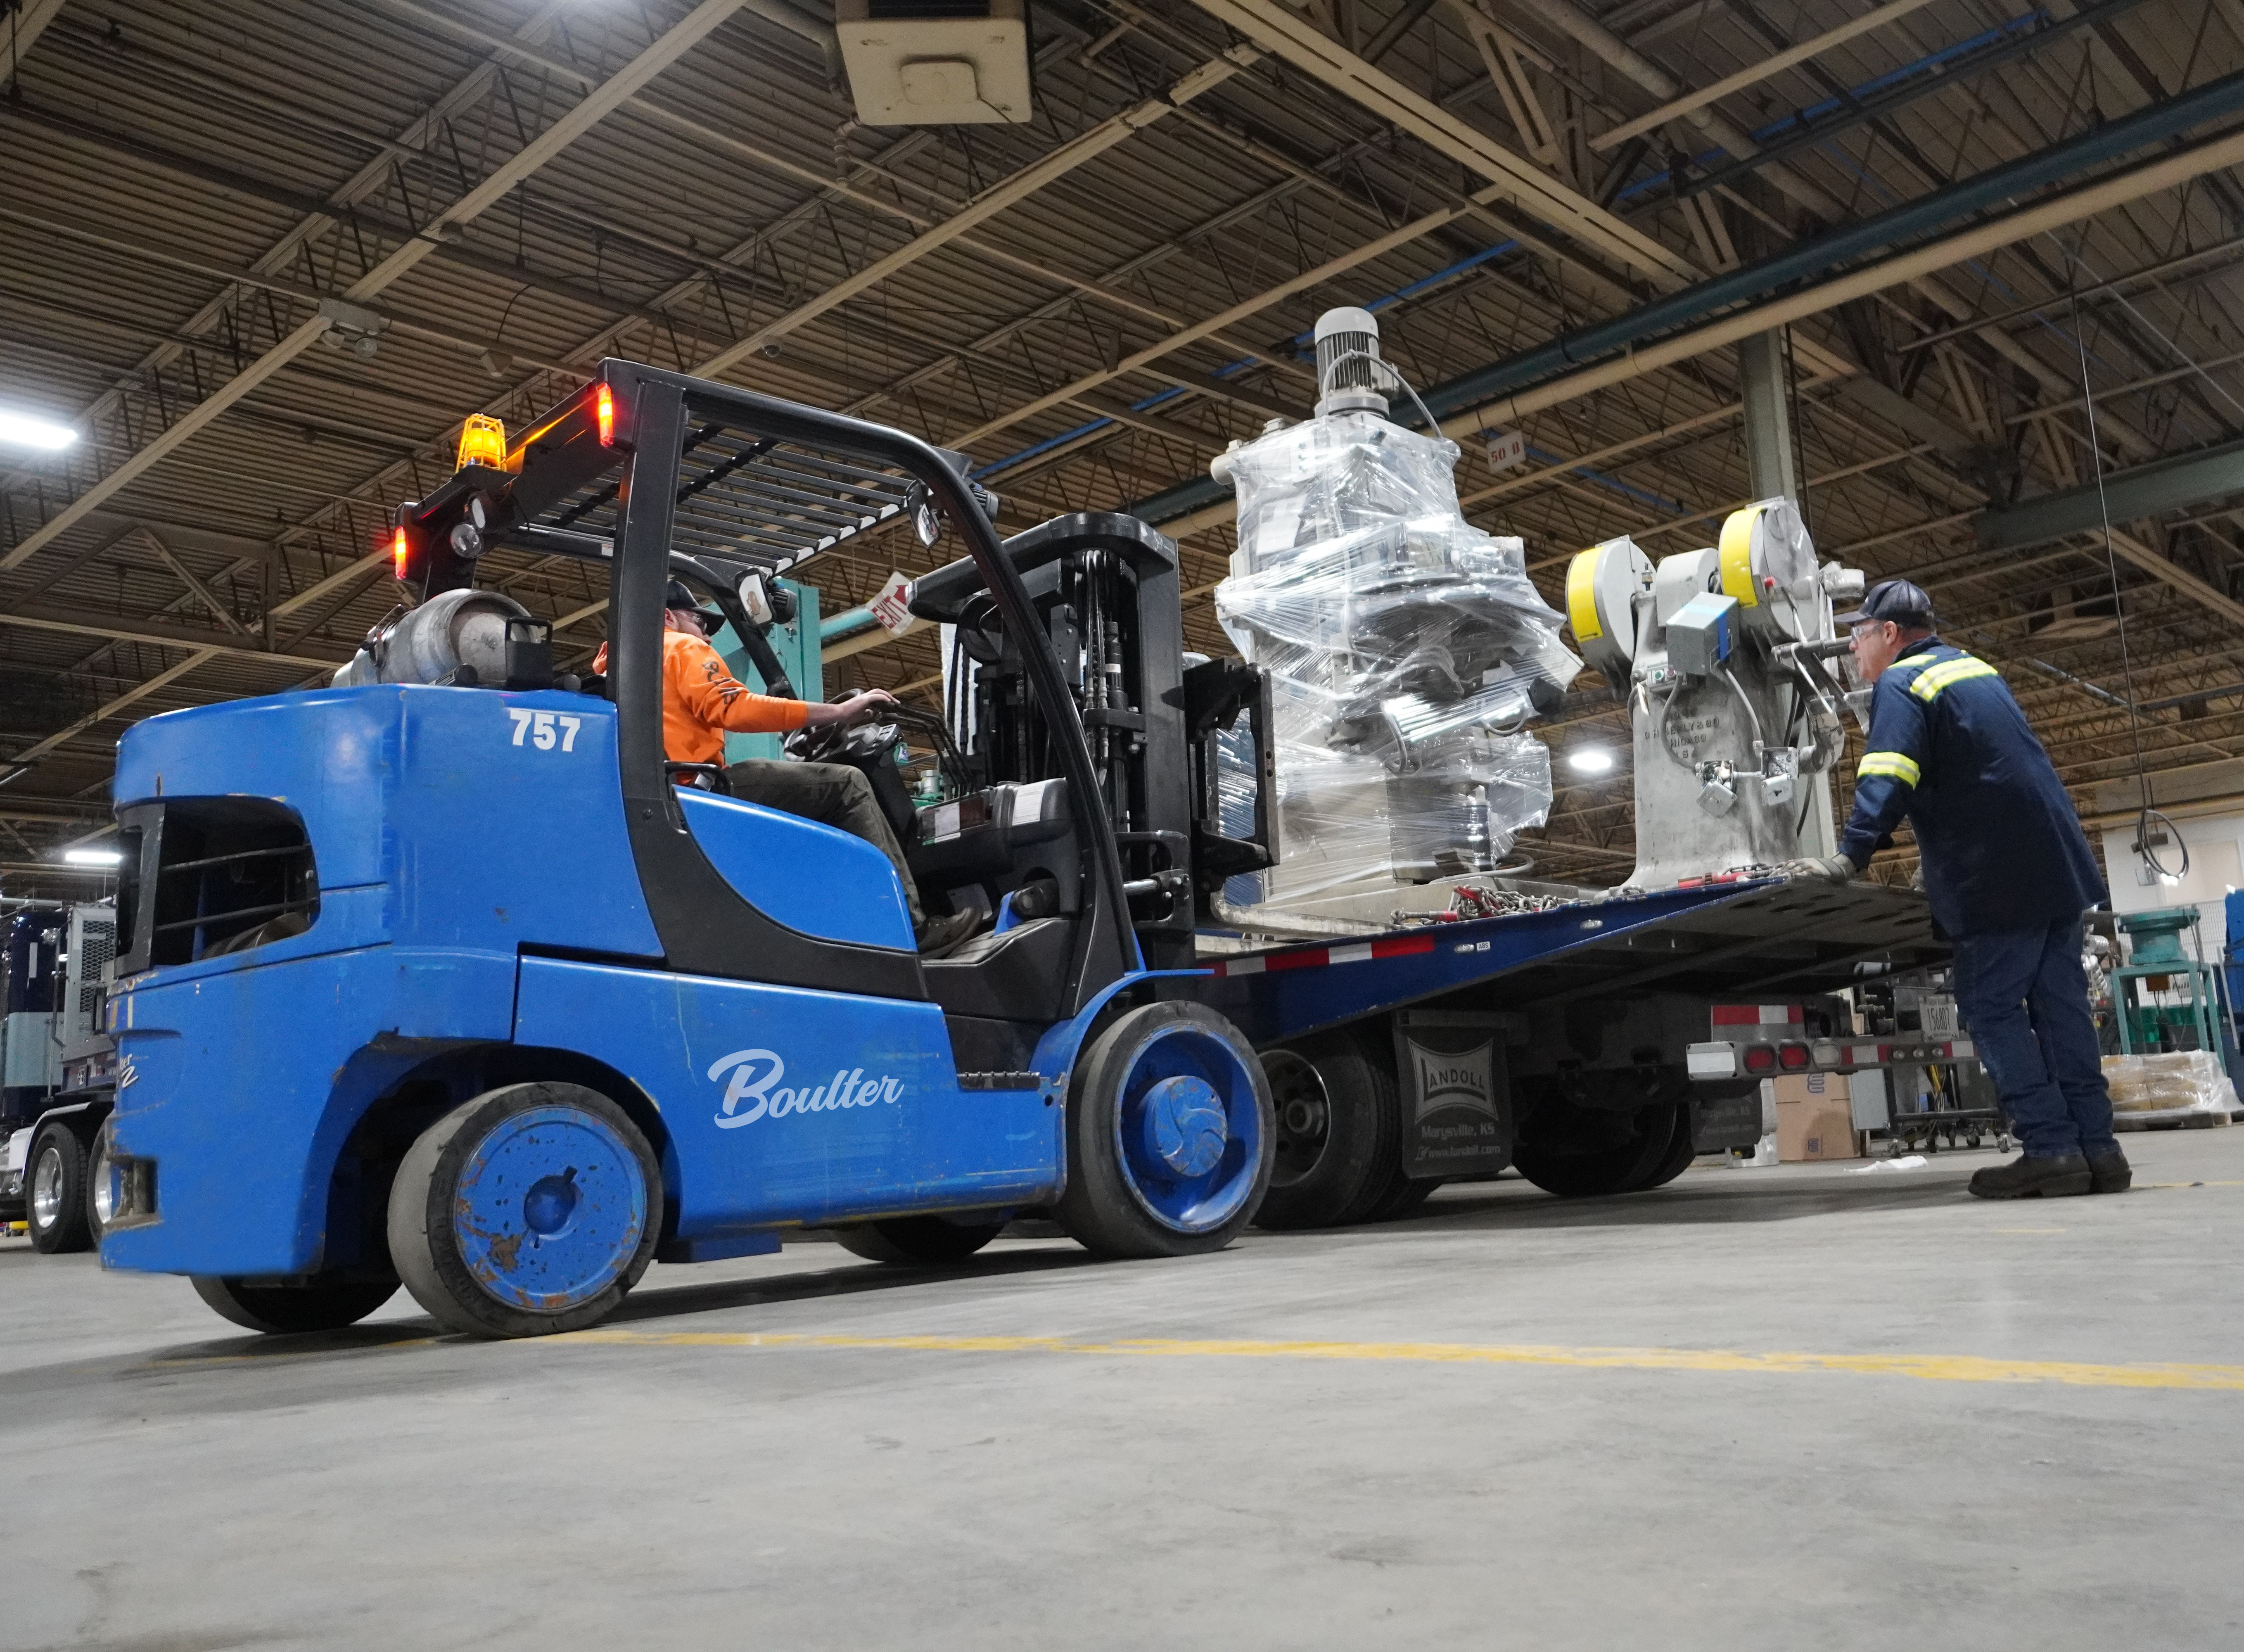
[
  {"x": 2157, "y": 1089},
  {"x": 1407, "y": 650}
]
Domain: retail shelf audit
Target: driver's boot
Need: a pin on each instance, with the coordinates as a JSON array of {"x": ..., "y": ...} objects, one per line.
[{"x": 937, "y": 937}]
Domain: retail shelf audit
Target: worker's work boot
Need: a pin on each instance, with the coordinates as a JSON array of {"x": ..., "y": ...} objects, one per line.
[
  {"x": 2109, "y": 1172},
  {"x": 2026, "y": 1177},
  {"x": 939, "y": 936}
]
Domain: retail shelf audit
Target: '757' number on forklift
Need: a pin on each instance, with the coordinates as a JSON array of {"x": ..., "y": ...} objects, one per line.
[{"x": 539, "y": 726}]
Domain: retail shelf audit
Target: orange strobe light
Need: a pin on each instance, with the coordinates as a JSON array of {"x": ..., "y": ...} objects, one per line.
[
  {"x": 604, "y": 409},
  {"x": 483, "y": 441},
  {"x": 398, "y": 551}
]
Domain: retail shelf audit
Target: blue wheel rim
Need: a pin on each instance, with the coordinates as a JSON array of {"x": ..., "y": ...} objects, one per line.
[
  {"x": 549, "y": 1208},
  {"x": 1187, "y": 1132}
]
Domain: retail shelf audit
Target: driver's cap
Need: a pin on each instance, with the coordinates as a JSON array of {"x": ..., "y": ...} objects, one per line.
[
  {"x": 680, "y": 596},
  {"x": 1906, "y": 604}
]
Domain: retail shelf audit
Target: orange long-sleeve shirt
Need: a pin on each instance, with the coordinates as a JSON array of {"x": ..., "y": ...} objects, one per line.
[{"x": 701, "y": 699}]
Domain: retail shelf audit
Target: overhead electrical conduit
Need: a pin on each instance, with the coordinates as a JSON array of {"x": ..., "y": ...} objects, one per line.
[{"x": 1844, "y": 243}]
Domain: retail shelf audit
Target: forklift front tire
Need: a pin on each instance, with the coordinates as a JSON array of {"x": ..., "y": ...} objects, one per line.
[
  {"x": 55, "y": 1190},
  {"x": 1169, "y": 1135},
  {"x": 324, "y": 1304},
  {"x": 529, "y": 1210}
]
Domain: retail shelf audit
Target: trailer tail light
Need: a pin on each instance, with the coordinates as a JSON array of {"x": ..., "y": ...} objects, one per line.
[
  {"x": 1711, "y": 1061},
  {"x": 1793, "y": 1057},
  {"x": 603, "y": 412},
  {"x": 400, "y": 549},
  {"x": 1760, "y": 1058},
  {"x": 483, "y": 441}
]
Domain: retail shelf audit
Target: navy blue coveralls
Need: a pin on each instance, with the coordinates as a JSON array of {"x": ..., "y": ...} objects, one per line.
[{"x": 2008, "y": 873}]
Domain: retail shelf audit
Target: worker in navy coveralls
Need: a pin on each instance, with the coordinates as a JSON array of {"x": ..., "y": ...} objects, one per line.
[{"x": 2009, "y": 874}]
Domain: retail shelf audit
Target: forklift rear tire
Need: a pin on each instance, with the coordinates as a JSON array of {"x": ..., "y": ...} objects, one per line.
[
  {"x": 322, "y": 1306},
  {"x": 1339, "y": 1114},
  {"x": 54, "y": 1192},
  {"x": 530, "y": 1211},
  {"x": 1577, "y": 1170},
  {"x": 923, "y": 1242},
  {"x": 1169, "y": 1135}
]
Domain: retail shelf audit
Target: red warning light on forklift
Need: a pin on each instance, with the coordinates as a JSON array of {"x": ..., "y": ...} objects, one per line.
[
  {"x": 604, "y": 409},
  {"x": 397, "y": 553}
]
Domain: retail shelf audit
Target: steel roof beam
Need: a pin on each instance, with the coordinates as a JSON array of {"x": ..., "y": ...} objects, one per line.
[
  {"x": 1512, "y": 179},
  {"x": 2124, "y": 495},
  {"x": 37, "y": 616},
  {"x": 25, "y": 24},
  {"x": 1753, "y": 74}
]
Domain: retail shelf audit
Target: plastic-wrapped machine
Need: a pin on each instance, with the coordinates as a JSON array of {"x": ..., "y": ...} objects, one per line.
[
  {"x": 2189, "y": 1086},
  {"x": 1407, "y": 651}
]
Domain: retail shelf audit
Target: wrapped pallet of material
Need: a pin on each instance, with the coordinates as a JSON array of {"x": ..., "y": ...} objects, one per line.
[
  {"x": 1407, "y": 651},
  {"x": 2189, "y": 1086}
]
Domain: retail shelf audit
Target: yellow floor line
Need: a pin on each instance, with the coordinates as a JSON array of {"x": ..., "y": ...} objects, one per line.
[{"x": 1950, "y": 1368}]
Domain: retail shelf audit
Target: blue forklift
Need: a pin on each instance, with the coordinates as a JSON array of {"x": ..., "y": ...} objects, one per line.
[{"x": 446, "y": 976}]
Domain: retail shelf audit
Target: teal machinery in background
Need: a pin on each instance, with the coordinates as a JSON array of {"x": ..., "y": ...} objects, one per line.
[
  {"x": 800, "y": 637},
  {"x": 798, "y": 644},
  {"x": 2165, "y": 995}
]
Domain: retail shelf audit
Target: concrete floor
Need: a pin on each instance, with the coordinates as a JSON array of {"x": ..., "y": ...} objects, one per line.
[{"x": 669, "y": 1481}]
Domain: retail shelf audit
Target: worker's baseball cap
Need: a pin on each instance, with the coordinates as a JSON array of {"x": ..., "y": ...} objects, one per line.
[
  {"x": 680, "y": 596},
  {"x": 1906, "y": 604}
]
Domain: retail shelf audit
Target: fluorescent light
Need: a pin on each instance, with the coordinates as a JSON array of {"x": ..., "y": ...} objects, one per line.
[
  {"x": 1589, "y": 760},
  {"x": 92, "y": 856},
  {"x": 21, "y": 430}
]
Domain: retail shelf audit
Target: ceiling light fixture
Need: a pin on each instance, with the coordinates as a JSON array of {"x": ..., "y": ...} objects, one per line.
[
  {"x": 21, "y": 430},
  {"x": 91, "y": 856},
  {"x": 1589, "y": 760}
]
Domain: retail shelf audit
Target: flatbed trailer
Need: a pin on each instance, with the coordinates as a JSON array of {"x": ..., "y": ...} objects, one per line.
[{"x": 1596, "y": 1045}]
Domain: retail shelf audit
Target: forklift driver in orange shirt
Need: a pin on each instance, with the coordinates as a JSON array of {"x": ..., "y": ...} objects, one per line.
[{"x": 702, "y": 701}]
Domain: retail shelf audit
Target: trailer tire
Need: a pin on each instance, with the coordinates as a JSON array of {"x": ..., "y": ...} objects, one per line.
[
  {"x": 55, "y": 1192},
  {"x": 1570, "y": 1164},
  {"x": 917, "y": 1242},
  {"x": 1406, "y": 1196},
  {"x": 1681, "y": 1149},
  {"x": 493, "y": 1232},
  {"x": 1168, "y": 1135},
  {"x": 279, "y": 1310},
  {"x": 1334, "y": 1091}
]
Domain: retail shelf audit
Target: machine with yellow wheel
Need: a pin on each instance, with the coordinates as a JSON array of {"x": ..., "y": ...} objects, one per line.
[{"x": 1722, "y": 654}]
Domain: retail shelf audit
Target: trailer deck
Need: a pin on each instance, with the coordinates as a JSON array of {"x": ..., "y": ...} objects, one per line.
[{"x": 1722, "y": 941}]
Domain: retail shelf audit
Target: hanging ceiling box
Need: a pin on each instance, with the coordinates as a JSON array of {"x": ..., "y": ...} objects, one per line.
[{"x": 936, "y": 62}]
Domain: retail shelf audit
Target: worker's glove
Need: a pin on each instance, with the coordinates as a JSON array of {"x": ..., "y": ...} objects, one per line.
[{"x": 1829, "y": 869}]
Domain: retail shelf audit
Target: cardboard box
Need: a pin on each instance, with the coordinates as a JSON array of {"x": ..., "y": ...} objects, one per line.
[{"x": 1814, "y": 1119}]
